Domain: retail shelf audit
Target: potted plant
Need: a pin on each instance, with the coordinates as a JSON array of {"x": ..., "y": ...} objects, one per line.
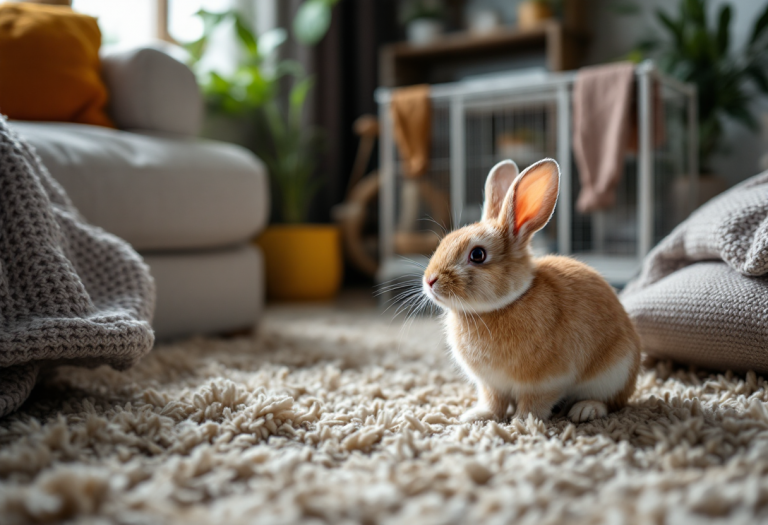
[
  {"x": 693, "y": 50},
  {"x": 532, "y": 13},
  {"x": 303, "y": 261},
  {"x": 231, "y": 99},
  {"x": 423, "y": 20}
]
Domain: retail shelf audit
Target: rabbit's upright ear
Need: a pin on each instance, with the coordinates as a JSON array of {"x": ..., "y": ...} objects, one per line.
[
  {"x": 499, "y": 180},
  {"x": 531, "y": 201}
]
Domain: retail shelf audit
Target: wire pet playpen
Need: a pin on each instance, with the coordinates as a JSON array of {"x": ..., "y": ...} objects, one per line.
[{"x": 476, "y": 123}]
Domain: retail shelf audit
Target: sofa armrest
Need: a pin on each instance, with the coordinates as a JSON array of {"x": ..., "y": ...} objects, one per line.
[{"x": 152, "y": 91}]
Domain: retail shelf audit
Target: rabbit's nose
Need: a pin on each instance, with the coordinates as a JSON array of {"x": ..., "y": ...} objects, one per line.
[{"x": 431, "y": 280}]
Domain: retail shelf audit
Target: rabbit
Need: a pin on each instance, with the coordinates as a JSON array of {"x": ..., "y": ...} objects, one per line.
[{"x": 534, "y": 333}]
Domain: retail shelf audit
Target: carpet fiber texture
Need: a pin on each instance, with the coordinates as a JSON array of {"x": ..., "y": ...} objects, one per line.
[{"x": 330, "y": 417}]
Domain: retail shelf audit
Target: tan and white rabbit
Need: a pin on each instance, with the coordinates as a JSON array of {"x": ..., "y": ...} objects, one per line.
[{"x": 533, "y": 333}]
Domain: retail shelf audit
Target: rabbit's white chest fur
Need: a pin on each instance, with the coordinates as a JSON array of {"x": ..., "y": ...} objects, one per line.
[{"x": 478, "y": 362}]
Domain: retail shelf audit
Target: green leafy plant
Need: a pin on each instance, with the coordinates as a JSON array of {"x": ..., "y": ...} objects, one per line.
[
  {"x": 290, "y": 149},
  {"x": 695, "y": 50},
  {"x": 252, "y": 83},
  {"x": 256, "y": 91}
]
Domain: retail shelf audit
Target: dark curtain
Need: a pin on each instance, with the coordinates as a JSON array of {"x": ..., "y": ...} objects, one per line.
[{"x": 345, "y": 66}]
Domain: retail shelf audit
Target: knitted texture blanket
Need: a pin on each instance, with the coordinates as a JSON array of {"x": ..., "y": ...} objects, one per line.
[
  {"x": 702, "y": 294},
  {"x": 70, "y": 293}
]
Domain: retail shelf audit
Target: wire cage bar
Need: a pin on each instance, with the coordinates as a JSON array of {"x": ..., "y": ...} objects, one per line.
[{"x": 526, "y": 117}]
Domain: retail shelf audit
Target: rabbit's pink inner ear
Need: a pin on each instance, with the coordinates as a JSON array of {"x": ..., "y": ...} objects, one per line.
[
  {"x": 535, "y": 196},
  {"x": 499, "y": 180}
]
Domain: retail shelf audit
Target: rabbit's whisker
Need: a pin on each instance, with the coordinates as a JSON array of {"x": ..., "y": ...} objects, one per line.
[
  {"x": 414, "y": 263},
  {"x": 401, "y": 300},
  {"x": 441, "y": 226},
  {"x": 397, "y": 286}
]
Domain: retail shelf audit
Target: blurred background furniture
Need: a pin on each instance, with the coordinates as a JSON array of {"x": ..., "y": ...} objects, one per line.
[
  {"x": 357, "y": 216},
  {"x": 558, "y": 45},
  {"x": 189, "y": 206},
  {"x": 479, "y": 39},
  {"x": 527, "y": 117}
]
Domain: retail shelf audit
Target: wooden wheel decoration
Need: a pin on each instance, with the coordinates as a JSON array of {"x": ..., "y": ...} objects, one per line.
[
  {"x": 353, "y": 215},
  {"x": 361, "y": 248}
]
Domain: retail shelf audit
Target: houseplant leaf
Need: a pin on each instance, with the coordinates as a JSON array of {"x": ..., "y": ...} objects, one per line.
[
  {"x": 696, "y": 11},
  {"x": 196, "y": 49},
  {"x": 271, "y": 40},
  {"x": 760, "y": 26},
  {"x": 297, "y": 98},
  {"x": 723, "y": 29},
  {"x": 312, "y": 21},
  {"x": 245, "y": 35},
  {"x": 758, "y": 77},
  {"x": 289, "y": 67},
  {"x": 211, "y": 20},
  {"x": 673, "y": 27}
]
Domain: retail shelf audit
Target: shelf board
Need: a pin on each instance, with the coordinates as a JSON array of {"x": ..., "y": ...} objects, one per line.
[
  {"x": 403, "y": 63},
  {"x": 459, "y": 43}
]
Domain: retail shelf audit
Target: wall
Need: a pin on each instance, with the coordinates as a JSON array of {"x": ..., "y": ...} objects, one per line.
[{"x": 614, "y": 35}]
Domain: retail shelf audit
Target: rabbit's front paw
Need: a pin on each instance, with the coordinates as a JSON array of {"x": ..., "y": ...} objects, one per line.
[
  {"x": 587, "y": 411},
  {"x": 478, "y": 413}
]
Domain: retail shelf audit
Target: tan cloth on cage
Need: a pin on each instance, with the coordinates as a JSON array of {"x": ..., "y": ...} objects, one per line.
[
  {"x": 412, "y": 122},
  {"x": 602, "y": 97}
]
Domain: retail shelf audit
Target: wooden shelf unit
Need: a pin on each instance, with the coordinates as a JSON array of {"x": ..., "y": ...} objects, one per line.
[{"x": 405, "y": 64}]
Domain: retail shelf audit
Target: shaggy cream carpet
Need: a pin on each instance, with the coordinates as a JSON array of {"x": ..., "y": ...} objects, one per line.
[{"x": 344, "y": 418}]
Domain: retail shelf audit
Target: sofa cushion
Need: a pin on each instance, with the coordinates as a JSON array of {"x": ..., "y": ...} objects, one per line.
[
  {"x": 150, "y": 90},
  {"x": 702, "y": 294},
  {"x": 706, "y": 314},
  {"x": 50, "y": 65},
  {"x": 207, "y": 292},
  {"x": 157, "y": 192}
]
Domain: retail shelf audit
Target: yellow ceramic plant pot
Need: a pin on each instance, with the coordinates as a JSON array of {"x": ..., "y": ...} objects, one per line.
[
  {"x": 531, "y": 14},
  {"x": 303, "y": 261}
]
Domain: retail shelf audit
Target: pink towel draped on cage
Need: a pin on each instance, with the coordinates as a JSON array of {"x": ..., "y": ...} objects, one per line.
[
  {"x": 606, "y": 126},
  {"x": 602, "y": 98}
]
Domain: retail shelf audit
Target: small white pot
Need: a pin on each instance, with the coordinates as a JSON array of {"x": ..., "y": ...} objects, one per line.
[
  {"x": 424, "y": 31},
  {"x": 484, "y": 21}
]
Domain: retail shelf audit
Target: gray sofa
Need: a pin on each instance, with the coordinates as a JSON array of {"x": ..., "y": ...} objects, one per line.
[{"x": 189, "y": 206}]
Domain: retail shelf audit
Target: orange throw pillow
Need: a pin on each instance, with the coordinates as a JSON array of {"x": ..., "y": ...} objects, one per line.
[{"x": 49, "y": 65}]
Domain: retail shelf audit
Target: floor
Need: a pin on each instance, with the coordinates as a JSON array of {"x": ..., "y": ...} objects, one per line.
[{"x": 337, "y": 413}]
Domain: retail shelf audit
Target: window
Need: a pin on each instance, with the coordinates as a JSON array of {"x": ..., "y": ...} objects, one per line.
[
  {"x": 122, "y": 21},
  {"x": 135, "y": 22},
  {"x": 183, "y": 25},
  {"x": 139, "y": 21}
]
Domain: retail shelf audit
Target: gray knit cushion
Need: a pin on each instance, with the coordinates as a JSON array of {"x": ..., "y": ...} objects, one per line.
[
  {"x": 70, "y": 293},
  {"x": 702, "y": 294}
]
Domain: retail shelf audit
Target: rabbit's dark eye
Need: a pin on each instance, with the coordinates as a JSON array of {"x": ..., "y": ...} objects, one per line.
[{"x": 477, "y": 255}]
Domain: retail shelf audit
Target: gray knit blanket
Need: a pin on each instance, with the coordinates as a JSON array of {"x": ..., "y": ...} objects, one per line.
[
  {"x": 70, "y": 293},
  {"x": 702, "y": 295}
]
